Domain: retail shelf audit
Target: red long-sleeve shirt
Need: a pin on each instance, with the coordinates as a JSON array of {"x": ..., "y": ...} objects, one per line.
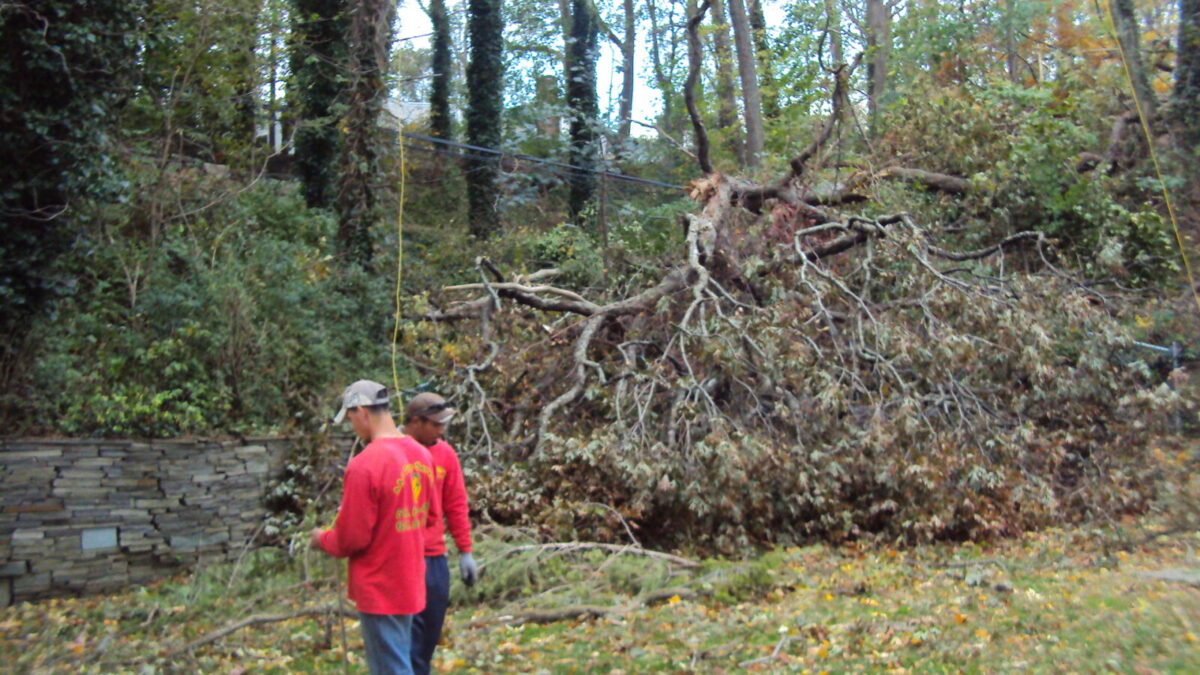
[
  {"x": 454, "y": 503},
  {"x": 388, "y": 500}
]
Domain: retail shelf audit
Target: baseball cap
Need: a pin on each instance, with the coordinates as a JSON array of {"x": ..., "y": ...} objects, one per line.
[
  {"x": 430, "y": 406},
  {"x": 363, "y": 392}
]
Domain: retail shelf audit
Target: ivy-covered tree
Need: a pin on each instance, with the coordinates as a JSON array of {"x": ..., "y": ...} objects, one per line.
[
  {"x": 485, "y": 102},
  {"x": 319, "y": 29},
  {"x": 443, "y": 64},
  {"x": 360, "y": 179},
  {"x": 65, "y": 70},
  {"x": 581, "y": 99},
  {"x": 1187, "y": 73}
]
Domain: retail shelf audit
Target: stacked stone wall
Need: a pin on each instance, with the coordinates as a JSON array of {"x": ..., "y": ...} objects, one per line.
[{"x": 81, "y": 517}]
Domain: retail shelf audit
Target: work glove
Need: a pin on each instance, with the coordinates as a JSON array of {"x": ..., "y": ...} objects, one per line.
[{"x": 468, "y": 568}]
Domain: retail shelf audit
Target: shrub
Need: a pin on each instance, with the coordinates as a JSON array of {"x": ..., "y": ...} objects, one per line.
[{"x": 234, "y": 319}]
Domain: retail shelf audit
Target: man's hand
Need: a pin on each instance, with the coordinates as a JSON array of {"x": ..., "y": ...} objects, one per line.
[
  {"x": 468, "y": 568},
  {"x": 314, "y": 539}
]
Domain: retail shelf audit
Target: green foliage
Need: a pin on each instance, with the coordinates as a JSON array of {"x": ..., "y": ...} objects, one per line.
[
  {"x": 571, "y": 250},
  {"x": 234, "y": 320},
  {"x": 65, "y": 72},
  {"x": 198, "y": 81},
  {"x": 1020, "y": 146}
]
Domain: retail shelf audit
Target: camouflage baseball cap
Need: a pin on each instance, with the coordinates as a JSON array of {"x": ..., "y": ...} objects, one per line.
[{"x": 363, "y": 392}]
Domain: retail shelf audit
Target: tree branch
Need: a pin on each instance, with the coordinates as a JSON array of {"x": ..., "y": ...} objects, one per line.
[
  {"x": 256, "y": 619},
  {"x": 934, "y": 181}
]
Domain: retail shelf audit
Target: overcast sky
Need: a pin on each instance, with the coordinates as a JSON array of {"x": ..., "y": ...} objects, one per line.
[{"x": 646, "y": 101}]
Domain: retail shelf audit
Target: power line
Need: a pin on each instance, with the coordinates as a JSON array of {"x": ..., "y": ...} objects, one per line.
[
  {"x": 492, "y": 152},
  {"x": 570, "y": 176}
]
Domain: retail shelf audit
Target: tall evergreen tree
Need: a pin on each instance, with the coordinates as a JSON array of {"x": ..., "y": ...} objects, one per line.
[
  {"x": 581, "y": 100},
  {"x": 439, "y": 93},
  {"x": 318, "y": 60},
  {"x": 485, "y": 102}
]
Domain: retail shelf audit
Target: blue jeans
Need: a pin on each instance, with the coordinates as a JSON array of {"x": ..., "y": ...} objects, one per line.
[
  {"x": 427, "y": 626},
  {"x": 388, "y": 639}
]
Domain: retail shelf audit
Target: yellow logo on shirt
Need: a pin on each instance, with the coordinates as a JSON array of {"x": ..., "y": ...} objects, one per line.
[
  {"x": 414, "y": 476},
  {"x": 414, "y": 519}
]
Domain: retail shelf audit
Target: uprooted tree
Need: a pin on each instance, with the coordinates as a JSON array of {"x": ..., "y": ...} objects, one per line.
[{"x": 805, "y": 369}]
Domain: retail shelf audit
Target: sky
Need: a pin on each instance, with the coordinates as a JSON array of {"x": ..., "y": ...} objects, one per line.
[{"x": 647, "y": 103}]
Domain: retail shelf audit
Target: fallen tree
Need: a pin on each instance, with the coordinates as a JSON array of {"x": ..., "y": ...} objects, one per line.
[{"x": 802, "y": 370}]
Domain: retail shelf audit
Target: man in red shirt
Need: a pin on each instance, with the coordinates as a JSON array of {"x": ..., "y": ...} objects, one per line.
[
  {"x": 388, "y": 501},
  {"x": 425, "y": 421}
]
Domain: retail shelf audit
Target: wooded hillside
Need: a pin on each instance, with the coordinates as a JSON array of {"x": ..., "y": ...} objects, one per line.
[{"x": 796, "y": 269}]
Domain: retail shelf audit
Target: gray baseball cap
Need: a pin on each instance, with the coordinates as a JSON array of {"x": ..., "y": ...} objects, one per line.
[{"x": 363, "y": 392}]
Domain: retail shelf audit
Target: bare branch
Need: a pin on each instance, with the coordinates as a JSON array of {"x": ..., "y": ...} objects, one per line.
[
  {"x": 570, "y": 546},
  {"x": 985, "y": 252},
  {"x": 257, "y": 619}
]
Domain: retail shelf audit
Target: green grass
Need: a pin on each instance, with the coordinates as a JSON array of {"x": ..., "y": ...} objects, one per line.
[{"x": 1056, "y": 601}]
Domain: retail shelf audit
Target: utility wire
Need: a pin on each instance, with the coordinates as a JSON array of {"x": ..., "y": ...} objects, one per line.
[
  {"x": 568, "y": 176},
  {"x": 480, "y": 152}
]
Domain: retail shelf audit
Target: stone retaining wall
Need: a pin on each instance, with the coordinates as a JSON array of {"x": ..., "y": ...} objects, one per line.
[{"x": 89, "y": 516}]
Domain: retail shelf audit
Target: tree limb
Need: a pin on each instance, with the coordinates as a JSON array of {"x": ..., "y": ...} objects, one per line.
[
  {"x": 612, "y": 548},
  {"x": 932, "y": 180},
  {"x": 256, "y": 619},
  {"x": 985, "y": 252}
]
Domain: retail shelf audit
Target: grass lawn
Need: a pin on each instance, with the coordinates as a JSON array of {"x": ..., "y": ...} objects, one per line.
[{"x": 1054, "y": 601}]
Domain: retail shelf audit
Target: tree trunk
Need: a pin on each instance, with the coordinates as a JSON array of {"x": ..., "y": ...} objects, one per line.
[
  {"x": 1125, "y": 22},
  {"x": 833, "y": 17},
  {"x": 1012, "y": 60},
  {"x": 564, "y": 23},
  {"x": 751, "y": 97},
  {"x": 1187, "y": 75},
  {"x": 485, "y": 102},
  {"x": 581, "y": 99},
  {"x": 879, "y": 42},
  {"x": 439, "y": 91},
  {"x": 766, "y": 72},
  {"x": 726, "y": 95},
  {"x": 318, "y": 55},
  {"x": 628, "y": 73},
  {"x": 547, "y": 95},
  {"x": 241, "y": 151},
  {"x": 661, "y": 77},
  {"x": 361, "y": 173}
]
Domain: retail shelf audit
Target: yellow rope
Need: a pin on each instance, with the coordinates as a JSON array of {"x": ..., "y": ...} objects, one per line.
[
  {"x": 399, "y": 268},
  {"x": 1187, "y": 265}
]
